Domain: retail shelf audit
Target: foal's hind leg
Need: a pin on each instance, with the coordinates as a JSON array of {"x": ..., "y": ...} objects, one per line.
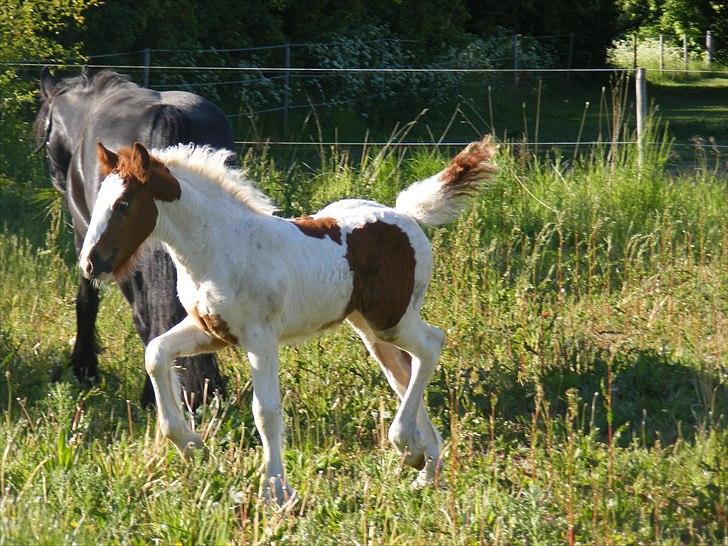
[
  {"x": 185, "y": 339},
  {"x": 424, "y": 343},
  {"x": 397, "y": 367}
]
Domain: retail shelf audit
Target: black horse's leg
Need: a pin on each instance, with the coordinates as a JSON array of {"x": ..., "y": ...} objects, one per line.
[
  {"x": 84, "y": 358},
  {"x": 152, "y": 294},
  {"x": 133, "y": 290}
]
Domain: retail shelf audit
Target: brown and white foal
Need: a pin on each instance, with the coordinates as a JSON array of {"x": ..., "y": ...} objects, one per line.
[{"x": 249, "y": 278}]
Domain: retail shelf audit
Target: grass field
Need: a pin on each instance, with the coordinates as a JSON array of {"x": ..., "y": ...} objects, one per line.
[{"x": 582, "y": 393}]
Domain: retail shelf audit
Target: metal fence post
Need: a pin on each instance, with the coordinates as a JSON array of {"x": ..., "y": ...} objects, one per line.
[
  {"x": 641, "y": 113},
  {"x": 146, "y": 61},
  {"x": 662, "y": 53},
  {"x": 286, "y": 91},
  {"x": 634, "y": 51}
]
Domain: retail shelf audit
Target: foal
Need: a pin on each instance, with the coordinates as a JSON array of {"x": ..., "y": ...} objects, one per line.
[{"x": 249, "y": 278}]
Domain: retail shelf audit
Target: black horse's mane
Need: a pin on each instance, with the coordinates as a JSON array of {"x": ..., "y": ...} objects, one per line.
[{"x": 104, "y": 80}]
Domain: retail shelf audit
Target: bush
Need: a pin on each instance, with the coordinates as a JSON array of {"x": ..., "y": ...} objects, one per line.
[
  {"x": 621, "y": 54},
  {"x": 376, "y": 47}
]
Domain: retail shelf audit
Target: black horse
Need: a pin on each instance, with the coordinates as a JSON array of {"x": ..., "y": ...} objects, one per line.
[{"x": 74, "y": 115}]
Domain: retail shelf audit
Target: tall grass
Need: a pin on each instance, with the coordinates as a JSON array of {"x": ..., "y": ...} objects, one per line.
[{"x": 582, "y": 391}]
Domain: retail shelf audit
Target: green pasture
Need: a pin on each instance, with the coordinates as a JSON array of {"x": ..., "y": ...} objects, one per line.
[{"x": 582, "y": 392}]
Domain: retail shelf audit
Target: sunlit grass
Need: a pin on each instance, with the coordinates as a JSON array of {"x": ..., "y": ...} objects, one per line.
[{"x": 582, "y": 392}]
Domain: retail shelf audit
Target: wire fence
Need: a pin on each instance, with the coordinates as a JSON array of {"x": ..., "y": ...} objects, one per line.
[{"x": 271, "y": 82}]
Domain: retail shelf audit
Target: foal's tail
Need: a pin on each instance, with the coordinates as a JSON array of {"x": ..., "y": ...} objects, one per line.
[{"x": 441, "y": 198}]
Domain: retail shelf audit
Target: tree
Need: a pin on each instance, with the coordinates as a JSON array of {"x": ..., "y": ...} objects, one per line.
[
  {"x": 677, "y": 17},
  {"x": 29, "y": 30}
]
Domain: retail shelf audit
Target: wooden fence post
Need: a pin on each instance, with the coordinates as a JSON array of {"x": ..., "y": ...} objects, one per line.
[
  {"x": 146, "y": 61},
  {"x": 685, "y": 51},
  {"x": 571, "y": 55},
  {"x": 286, "y": 91},
  {"x": 516, "y": 40},
  {"x": 709, "y": 48},
  {"x": 634, "y": 51},
  {"x": 641, "y": 113}
]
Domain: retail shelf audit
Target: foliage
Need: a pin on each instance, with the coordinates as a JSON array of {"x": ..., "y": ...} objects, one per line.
[
  {"x": 621, "y": 54},
  {"x": 677, "y": 17},
  {"x": 379, "y": 93},
  {"x": 434, "y": 25},
  {"x": 29, "y": 31},
  {"x": 594, "y": 24}
]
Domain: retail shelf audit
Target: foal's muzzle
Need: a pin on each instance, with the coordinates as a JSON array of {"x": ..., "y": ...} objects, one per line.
[{"x": 94, "y": 266}]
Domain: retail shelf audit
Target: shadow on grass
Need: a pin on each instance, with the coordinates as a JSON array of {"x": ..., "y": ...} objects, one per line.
[
  {"x": 30, "y": 376},
  {"x": 655, "y": 396}
]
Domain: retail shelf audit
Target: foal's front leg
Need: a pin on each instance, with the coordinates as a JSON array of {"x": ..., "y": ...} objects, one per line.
[
  {"x": 263, "y": 355},
  {"x": 184, "y": 339}
]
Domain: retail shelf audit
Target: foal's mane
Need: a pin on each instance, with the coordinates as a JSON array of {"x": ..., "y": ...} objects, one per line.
[{"x": 211, "y": 164}]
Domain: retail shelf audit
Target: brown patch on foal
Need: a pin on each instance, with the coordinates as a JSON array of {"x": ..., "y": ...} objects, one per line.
[
  {"x": 215, "y": 326},
  {"x": 383, "y": 262},
  {"x": 470, "y": 167},
  {"x": 135, "y": 166},
  {"x": 319, "y": 227},
  {"x": 134, "y": 212}
]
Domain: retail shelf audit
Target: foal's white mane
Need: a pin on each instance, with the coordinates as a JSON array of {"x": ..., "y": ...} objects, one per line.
[{"x": 210, "y": 164}]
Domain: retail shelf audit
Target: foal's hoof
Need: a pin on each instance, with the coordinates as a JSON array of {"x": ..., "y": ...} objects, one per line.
[
  {"x": 430, "y": 474},
  {"x": 189, "y": 444},
  {"x": 415, "y": 460},
  {"x": 410, "y": 444},
  {"x": 283, "y": 495}
]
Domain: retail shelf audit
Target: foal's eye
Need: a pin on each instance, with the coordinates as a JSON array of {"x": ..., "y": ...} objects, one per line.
[{"x": 121, "y": 206}]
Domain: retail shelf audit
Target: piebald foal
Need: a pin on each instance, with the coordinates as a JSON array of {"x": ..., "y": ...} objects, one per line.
[{"x": 249, "y": 278}]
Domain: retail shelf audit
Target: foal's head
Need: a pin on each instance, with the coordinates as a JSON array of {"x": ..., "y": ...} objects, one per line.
[{"x": 125, "y": 212}]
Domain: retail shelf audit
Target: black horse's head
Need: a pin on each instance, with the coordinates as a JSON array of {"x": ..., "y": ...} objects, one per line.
[
  {"x": 49, "y": 130},
  {"x": 63, "y": 105}
]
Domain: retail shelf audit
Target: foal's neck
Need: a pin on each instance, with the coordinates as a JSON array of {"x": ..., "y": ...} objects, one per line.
[{"x": 205, "y": 220}]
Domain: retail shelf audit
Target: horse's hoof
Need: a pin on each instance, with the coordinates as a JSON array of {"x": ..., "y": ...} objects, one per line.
[
  {"x": 55, "y": 373},
  {"x": 85, "y": 372},
  {"x": 87, "y": 377}
]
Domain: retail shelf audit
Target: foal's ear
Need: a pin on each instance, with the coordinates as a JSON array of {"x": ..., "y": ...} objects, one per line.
[
  {"x": 108, "y": 160},
  {"x": 140, "y": 162},
  {"x": 154, "y": 175}
]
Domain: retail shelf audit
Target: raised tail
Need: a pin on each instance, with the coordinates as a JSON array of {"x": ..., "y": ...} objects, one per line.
[{"x": 441, "y": 198}]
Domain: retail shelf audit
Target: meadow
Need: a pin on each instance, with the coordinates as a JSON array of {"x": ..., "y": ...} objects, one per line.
[{"x": 582, "y": 392}]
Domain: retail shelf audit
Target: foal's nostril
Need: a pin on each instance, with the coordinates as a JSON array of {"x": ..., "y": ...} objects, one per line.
[{"x": 95, "y": 266}]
